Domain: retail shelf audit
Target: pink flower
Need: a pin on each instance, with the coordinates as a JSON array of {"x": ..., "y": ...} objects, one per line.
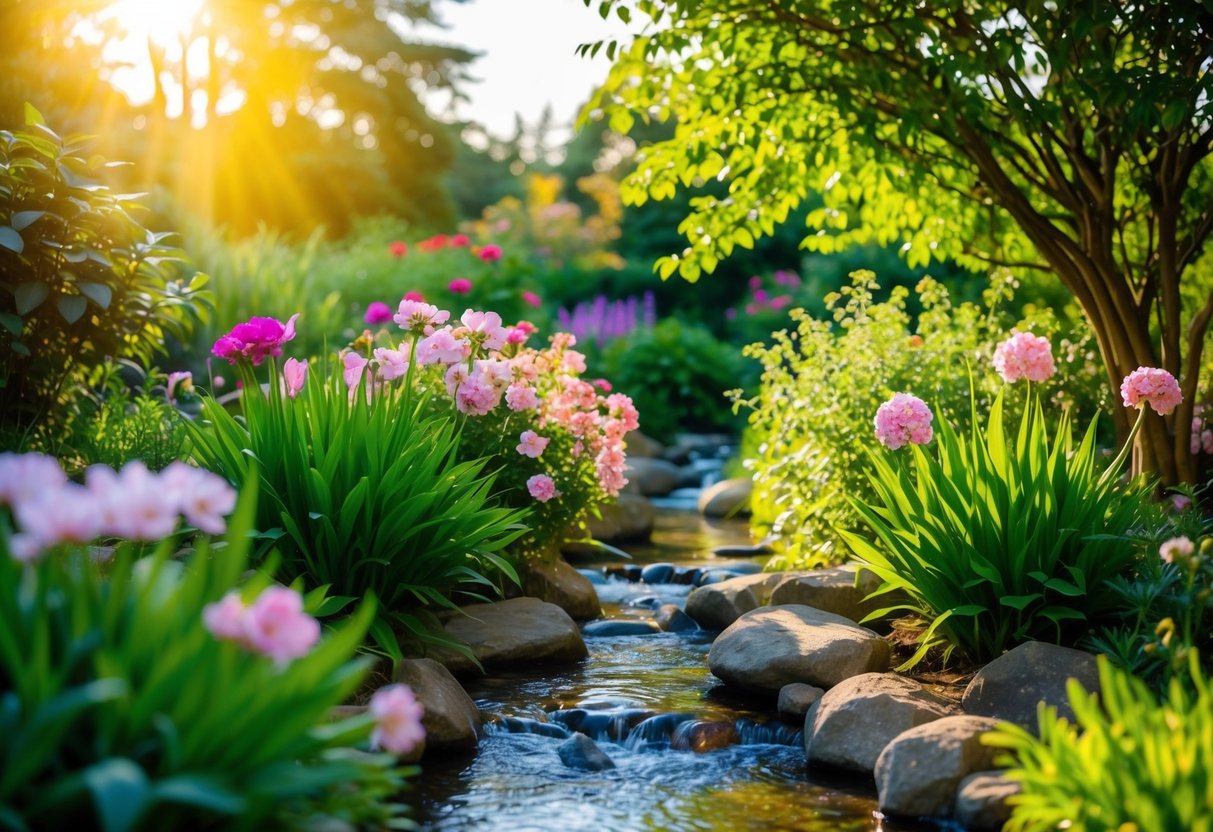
[
  {"x": 490, "y": 253},
  {"x": 256, "y": 339},
  {"x": 602, "y": 384},
  {"x": 23, "y": 476},
  {"x": 514, "y": 335},
  {"x": 1180, "y": 547},
  {"x": 398, "y": 717},
  {"x": 484, "y": 328},
  {"x": 414, "y": 295},
  {"x": 531, "y": 299},
  {"x": 532, "y": 444},
  {"x": 1149, "y": 385},
  {"x": 460, "y": 286},
  {"x": 442, "y": 347},
  {"x": 67, "y": 514},
  {"x": 1024, "y": 355},
  {"x": 184, "y": 378},
  {"x": 398, "y": 248},
  {"x": 1180, "y": 502},
  {"x": 420, "y": 317},
  {"x": 294, "y": 375},
  {"x": 526, "y": 327},
  {"x": 203, "y": 497},
  {"x": 755, "y": 282},
  {"x": 354, "y": 365},
  {"x": 903, "y": 418},
  {"x": 392, "y": 363},
  {"x": 542, "y": 488},
  {"x": 378, "y": 313},
  {"x": 477, "y": 396},
  {"x": 225, "y": 619},
  {"x": 1206, "y": 441},
  {"x": 276, "y": 625},
  {"x": 519, "y": 397},
  {"x": 460, "y": 241},
  {"x": 133, "y": 503}
]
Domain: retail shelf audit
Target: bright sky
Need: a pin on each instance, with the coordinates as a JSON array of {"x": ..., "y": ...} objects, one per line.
[{"x": 528, "y": 57}]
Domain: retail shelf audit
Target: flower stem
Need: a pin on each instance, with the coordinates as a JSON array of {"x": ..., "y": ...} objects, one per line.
[{"x": 1125, "y": 450}]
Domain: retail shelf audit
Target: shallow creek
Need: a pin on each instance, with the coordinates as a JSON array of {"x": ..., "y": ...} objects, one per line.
[{"x": 652, "y": 706}]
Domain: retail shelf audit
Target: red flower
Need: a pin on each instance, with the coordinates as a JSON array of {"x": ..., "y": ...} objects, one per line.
[{"x": 398, "y": 249}]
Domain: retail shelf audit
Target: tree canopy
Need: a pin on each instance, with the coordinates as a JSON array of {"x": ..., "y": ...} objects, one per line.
[{"x": 1072, "y": 137}]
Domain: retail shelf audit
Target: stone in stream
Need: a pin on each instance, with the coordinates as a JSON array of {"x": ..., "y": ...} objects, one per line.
[
  {"x": 617, "y": 627},
  {"x": 853, "y": 722},
  {"x": 1011, "y": 686},
  {"x": 703, "y": 736},
  {"x": 833, "y": 590},
  {"x": 796, "y": 699},
  {"x": 727, "y": 498},
  {"x": 594, "y": 576},
  {"x": 743, "y": 550},
  {"x": 558, "y": 583},
  {"x": 770, "y": 647},
  {"x": 523, "y": 725},
  {"x": 650, "y": 477},
  {"x": 630, "y": 574},
  {"x": 918, "y": 773},
  {"x": 630, "y": 517},
  {"x": 687, "y": 577},
  {"x": 643, "y": 602},
  {"x": 716, "y": 606},
  {"x": 451, "y": 719},
  {"x": 581, "y": 752},
  {"x": 981, "y": 800},
  {"x": 671, "y": 619},
  {"x": 519, "y": 631},
  {"x": 659, "y": 728},
  {"x": 657, "y": 573}
]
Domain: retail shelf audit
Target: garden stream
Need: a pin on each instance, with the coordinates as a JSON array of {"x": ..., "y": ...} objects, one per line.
[{"x": 652, "y": 706}]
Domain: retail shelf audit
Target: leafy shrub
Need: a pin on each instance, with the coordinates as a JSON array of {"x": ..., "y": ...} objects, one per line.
[
  {"x": 823, "y": 379},
  {"x": 1132, "y": 763},
  {"x": 997, "y": 540},
  {"x": 81, "y": 278},
  {"x": 362, "y": 493},
  {"x": 119, "y": 706},
  {"x": 677, "y": 375}
]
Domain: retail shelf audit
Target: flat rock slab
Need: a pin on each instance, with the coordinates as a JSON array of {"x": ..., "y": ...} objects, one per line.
[
  {"x": 770, "y": 647},
  {"x": 518, "y": 631},
  {"x": 619, "y": 627},
  {"x": 716, "y": 606},
  {"x": 854, "y": 721},
  {"x": 1011, "y": 686},
  {"x": 834, "y": 590},
  {"x": 451, "y": 719},
  {"x": 919, "y": 772}
]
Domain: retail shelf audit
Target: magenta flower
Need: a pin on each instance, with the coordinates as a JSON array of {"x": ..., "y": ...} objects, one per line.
[
  {"x": 414, "y": 295},
  {"x": 903, "y": 418},
  {"x": 532, "y": 444},
  {"x": 1180, "y": 547},
  {"x": 490, "y": 253},
  {"x": 460, "y": 241},
  {"x": 542, "y": 488},
  {"x": 460, "y": 286},
  {"x": 378, "y": 313},
  {"x": 398, "y": 717},
  {"x": 1024, "y": 355},
  {"x": 294, "y": 376},
  {"x": 531, "y": 299},
  {"x": 256, "y": 339},
  {"x": 1149, "y": 385},
  {"x": 420, "y": 317},
  {"x": 276, "y": 625}
]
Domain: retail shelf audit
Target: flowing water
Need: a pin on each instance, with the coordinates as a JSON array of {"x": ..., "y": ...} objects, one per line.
[{"x": 688, "y": 754}]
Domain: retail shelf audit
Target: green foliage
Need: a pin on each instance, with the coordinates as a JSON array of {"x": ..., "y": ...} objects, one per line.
[
  {"x": 1000, "y": 538},
  {"x": 677, "y": 375},
  {"x": 80, "y": 278},
  {"x": 120, "y": 711},
  {"x": 823, "y": 380},
  {"x": 363, "y": 496},
  {"x": 1128, "y": 761}
]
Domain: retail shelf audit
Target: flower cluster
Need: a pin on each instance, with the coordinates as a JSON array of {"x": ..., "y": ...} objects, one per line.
[
  {"x": 602, "y": 320},
  {"x": 398, "y": 716},
  {"x": 903, "y": 418},
  {"x": 1177, "y": 548},
  {"x": 1152, "y": 386},
  {"x": 256, "y": 339},
  {"x": 274, "y": 625},
  {"x": 133, "y": 503},
  {"x": 1024, "y": 356},
  {"x": 1202, "y": 434}
]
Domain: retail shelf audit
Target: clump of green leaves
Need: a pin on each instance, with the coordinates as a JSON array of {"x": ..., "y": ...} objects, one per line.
[
  {"x": 1129, "y": 761},
  {"x": 998, "y": 539},
  {"x": 80, "y": 278}
]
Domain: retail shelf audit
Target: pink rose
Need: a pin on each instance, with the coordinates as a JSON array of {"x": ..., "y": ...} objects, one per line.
[
  {"x": 532, "y": 444},
  {"x": 542, "y": 488},
  {"x": 903, "y": 418},
  {"x": 1149, "y": 385}
]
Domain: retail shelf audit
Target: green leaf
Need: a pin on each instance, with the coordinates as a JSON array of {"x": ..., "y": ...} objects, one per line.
[
  {"x": 71, "y": 307},
  {"x": 29, "y": 295},
  {"x": 11, "y": 240},
  {"x": 32, "y": 116},
  {"x": 22, "y": 220},
  {"x": 203, "y": 792},
  {"x": 120, "y": 792},
  {"x": 1174, "y": 113},
  {"x": 98, "y": 293},
  {"x": 20, "y": 348},
  {"x": 1019, "y": 602},
  {"x": 11, "y": 322}
]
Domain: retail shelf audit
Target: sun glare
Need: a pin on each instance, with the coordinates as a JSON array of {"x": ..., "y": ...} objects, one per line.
[{"x": 164, "y": 21}]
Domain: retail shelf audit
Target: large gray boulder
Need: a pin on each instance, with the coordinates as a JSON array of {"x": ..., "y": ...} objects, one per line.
[
  {"x": 558, "y": 583},
  {"x": 981, "y": 800},
  {"x": 918, "y": 773},
  {"x": 1011, "y": 686},
  {"x": 451, "y": 719},
  {"x": 651, "y": 477},
  {"x": 639, "y": 445},
  {"x": 858, "y": 717},
  {"x": 716, "y": 606},
  {"x": 770, "y": 647},
  {"x": 833, "y": 590},
  {"x": 727, "y": 498},
  {"x": 631, "y": 517},
  {"x": 520, "y": 631}
]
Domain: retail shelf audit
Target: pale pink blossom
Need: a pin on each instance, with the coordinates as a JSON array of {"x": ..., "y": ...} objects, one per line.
[
  {"x": 276, "y": 625},
  {"x": 398, "y": 717},
  {"x": 442, "y": 347},
  {"x": 24, "y": 547},
  {"x": 456, "y": 375},
  {"x": 903, "y": 418},
  {"x": 22, "y": 476},
  {"x": 574, "y": 362},
  {"x": 420, "y": 317},
  {"x": 294, "y": 376},
  {"x": 532, "y": 444},
  {"x": 184, "y": 379},
  {"x": 354, "y": 364},
  {"x": 203, "y": 497},
  {"x": 531, "y": 299},
  {"x": 484, "y": 328},
  {"x": 519, "y": 397},
  {"x": 1152, "y": 386},
  {"x": 133, "y": 503},
  {"x": 1025, "y": 356},
  {"x": 477, "y": 396},
  {"x": 67, "y": 514},
  {"x": 393, "y": 364},
  {"x": 1176, "y": 547},
  {"x": 542, "y": 488},
  {"x": 225, "y": 618},
  {"x": 497, "y": 372}
]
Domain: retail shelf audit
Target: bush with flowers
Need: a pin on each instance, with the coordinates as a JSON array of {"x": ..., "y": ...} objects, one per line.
[
  {"x": 134, "y": 685},
  {"x": 817, "y": 374}
]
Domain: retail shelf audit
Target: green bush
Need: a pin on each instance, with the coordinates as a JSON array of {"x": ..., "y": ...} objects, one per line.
[
  {"x": 677, "y": 375},
  {"x": 80, "y": 278},
  {"x": 120, "y": 711},
  {"x": 1129, "y": 761},
  {"x": 999, "y": 539},
  {"x": 822, "y": 381}
]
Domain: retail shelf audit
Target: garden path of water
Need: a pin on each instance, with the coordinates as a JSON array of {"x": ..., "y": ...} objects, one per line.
[{"x": 637, "y": 696}]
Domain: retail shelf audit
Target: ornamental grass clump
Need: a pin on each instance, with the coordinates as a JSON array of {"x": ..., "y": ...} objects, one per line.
[{"x": 999, "y": 538}]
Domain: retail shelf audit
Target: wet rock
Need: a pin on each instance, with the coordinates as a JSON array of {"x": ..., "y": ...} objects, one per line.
[
  {"x": 611, "y": 724},
  {"x": 628, "y": 573},
  {"x": 687, "y": 577},
  {"x": 658, "y": 729},
  {"x": 742, "y": 567},
  {"x": 523, "y": 725},
  {"x": 671, "y": 619},
  {"x": 981, "y": 800},
  {"x": 651, "y": 477},
  {"x": 796, "y": 699},
  {"x": 644, "y": 602},
  {"x": 451, "y": 719},
  {"x": 714, "y": 576},
  {"x": 690, "y": 446},
  {"x": 1011, "y": 686},
  {"x": 581, "y": 752},
  {"x": 770, "y": 647},
  {"x": 727, "y": 498},
  {"x": 558, "y": 583},
  {"x": 518, "y": 631},
  {"x": 641, "y": 446},
  {"x": 716, "y": 606},
  {"x": 657, "y": 573},
  {"x": 918, "y": 773},
  {"x": 604, "y": 629},
  {"x": 857, "y": 718},
  {"x": 833, "y": 590},
  {"x": 630, "y": 517},
  {"x": 594, "y": 576},
  {"x": 742, "y": 551},
  {"x": 702, "y": 737}
]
